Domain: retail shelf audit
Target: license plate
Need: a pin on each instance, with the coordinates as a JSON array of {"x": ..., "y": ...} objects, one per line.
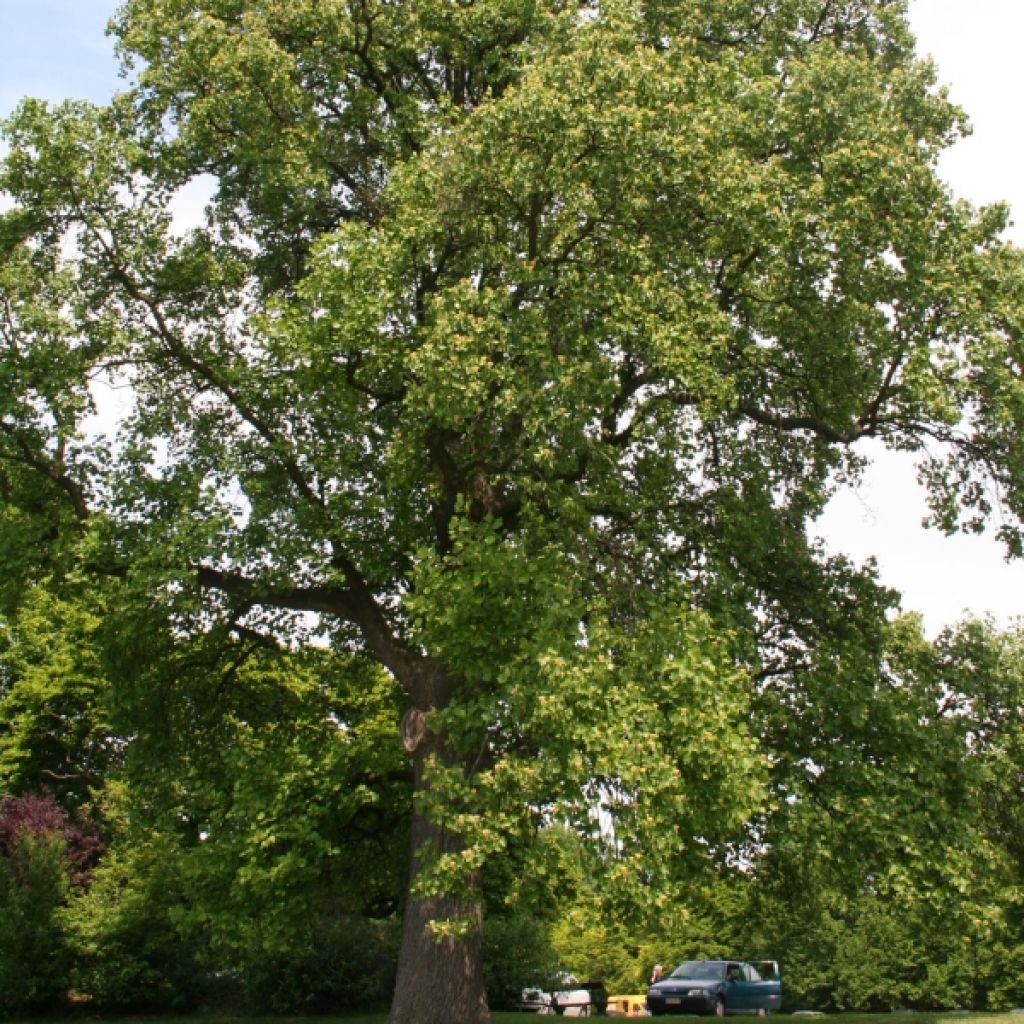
[{"x": 673, "y": 1002}]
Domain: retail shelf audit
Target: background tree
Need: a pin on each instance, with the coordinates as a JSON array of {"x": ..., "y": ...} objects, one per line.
[
  {"x": 260, "y": 825},
  {"x": 518, "y": 347},
  {"x": 882, "y": 833}
]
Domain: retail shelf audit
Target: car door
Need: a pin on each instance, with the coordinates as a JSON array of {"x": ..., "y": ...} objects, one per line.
[
  {"x": 765, "y": 988},
  {"x": 737, "y": 987}
]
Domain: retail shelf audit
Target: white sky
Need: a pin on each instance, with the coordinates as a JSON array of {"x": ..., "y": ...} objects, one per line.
[{"x": 57, "y": 48}]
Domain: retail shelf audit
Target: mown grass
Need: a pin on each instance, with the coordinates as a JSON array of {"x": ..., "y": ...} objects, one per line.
[
  {"x": 528, "y": 1018},
  {"x": 784, "y": 1018}
]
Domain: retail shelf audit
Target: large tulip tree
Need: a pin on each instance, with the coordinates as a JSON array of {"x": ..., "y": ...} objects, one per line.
[{"x": 517, "y": 347}]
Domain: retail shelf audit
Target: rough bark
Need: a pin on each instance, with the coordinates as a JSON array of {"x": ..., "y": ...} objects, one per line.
[{"x": 440, "y": 980}]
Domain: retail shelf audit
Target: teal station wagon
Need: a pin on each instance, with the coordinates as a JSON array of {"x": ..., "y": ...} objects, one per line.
[{"x": 718, "y": 987}]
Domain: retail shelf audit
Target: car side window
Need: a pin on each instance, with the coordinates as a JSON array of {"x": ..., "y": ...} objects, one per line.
[
  {"x": 733, "y": 973},
  {"x": 751, "y": 972}
]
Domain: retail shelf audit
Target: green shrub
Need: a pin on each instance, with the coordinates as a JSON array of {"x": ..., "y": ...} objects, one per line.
[
  {"x": 517, "y": 954},
  {"x": 344, "y": 962},
  {"x": 34, "y": 955},
  {"x": 135, "y": 950}
]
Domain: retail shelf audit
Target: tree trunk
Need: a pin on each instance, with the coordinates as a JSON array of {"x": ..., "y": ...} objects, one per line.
[{"x": 440, "y": 980}]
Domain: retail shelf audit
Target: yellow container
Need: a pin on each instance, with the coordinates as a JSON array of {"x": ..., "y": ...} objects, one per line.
[{"x": 627, "y": 1006}]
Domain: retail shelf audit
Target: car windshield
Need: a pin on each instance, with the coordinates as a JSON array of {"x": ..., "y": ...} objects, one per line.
[{"x": 698, "y": 969}]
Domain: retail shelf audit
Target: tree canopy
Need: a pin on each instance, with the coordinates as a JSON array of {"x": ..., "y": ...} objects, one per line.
[{"x": 516, "y": 350}]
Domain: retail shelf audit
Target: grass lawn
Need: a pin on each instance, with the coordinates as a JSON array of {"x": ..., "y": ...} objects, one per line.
[
  {"x": 531, "y": 1018},
  {"x": 832, "y": 1018}
]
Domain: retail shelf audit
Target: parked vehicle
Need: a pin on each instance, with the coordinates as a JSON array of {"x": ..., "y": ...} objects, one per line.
[{"x": 718, "y": 987}]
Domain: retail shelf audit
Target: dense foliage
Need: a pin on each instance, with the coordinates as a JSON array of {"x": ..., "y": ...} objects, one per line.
[
  {"x": 886, "y": 873},
  {"x": 493, "y": 394}
]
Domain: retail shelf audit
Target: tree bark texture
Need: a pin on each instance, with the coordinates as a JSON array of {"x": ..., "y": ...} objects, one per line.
[{"x": 440, "y": 980}]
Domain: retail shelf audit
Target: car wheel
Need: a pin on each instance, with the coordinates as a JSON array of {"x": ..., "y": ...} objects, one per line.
[{"x": 720, "y": 1007}]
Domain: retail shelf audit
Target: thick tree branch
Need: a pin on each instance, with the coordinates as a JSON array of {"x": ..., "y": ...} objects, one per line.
[
  {"x": 423, "y": 679},
  {"x": 52, "y": 469},
  {"x": 813, "y": 424}
]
